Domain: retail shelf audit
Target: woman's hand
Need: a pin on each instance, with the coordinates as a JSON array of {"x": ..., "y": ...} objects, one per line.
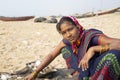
[
  {"x": 30, "y": 77},
  {"x": 84, "y": 61}
]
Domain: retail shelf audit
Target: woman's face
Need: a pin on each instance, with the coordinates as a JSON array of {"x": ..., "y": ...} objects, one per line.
[{"x": 69, "y": 31}]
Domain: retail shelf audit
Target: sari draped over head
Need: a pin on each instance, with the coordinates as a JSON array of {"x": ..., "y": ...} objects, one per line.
[
  {"x": 84, "y": 38},
  {"x": 100, "y": 65}
]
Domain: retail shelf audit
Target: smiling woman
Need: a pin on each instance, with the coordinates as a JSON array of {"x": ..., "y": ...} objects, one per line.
[
  {"x": 90, "y": 53},
  {"x": 67, "y": 29}
]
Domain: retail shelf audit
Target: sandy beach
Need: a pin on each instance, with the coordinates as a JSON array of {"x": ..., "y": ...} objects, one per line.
[{"x": 25, "y": 41}]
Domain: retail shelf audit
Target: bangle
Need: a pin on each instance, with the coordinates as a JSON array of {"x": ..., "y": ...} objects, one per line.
[
  {"x": 107, "y": 47},
  {"x": 104, "y": 48},
  {"x": 34, "y": 73}
]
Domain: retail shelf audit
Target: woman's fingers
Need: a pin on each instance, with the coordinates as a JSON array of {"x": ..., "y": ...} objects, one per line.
[{"x": 83, "y": 64}]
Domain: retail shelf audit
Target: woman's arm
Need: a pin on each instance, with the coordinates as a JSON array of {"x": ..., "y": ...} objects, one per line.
[
  {"x": 47, "y": 60},
  {"x": 105, "y": 43},
  {"x": 50, "y": 57},
  {"x": 114, "y": 43}
]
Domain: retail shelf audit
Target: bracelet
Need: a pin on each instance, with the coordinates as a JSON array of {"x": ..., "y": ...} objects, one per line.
[
  {"x": 34, "y": 73},
  {"x": 104, "y": 48}
]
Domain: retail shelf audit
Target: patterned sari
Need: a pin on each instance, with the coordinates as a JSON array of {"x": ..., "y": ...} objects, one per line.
[{"x": 101, "y": 67}]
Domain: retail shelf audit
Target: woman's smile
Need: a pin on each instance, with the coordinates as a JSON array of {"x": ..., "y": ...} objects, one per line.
[
  {"x": 69, "y": 32},
  {"x": 71, "y": 39}
]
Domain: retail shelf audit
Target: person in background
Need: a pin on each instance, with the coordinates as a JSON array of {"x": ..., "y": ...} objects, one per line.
[{"x": 92, "y": 54}]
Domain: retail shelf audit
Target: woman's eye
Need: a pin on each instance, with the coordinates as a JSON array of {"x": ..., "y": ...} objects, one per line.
[
  {"x": 63, "y": 33},
  {"x": 70, "y": 29}
]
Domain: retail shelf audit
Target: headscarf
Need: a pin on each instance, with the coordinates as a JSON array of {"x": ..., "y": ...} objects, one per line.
[{"x": 76, "y": 44}]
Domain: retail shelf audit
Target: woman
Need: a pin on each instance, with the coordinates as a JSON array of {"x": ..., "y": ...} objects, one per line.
[{"x": 93, "y": 55}]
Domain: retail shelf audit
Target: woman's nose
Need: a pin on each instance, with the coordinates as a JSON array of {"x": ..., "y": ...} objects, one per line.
[{"x": 68, "y": 34}]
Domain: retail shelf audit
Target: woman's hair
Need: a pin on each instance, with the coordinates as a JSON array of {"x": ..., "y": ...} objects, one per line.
[{"x": 62, "y": 20}]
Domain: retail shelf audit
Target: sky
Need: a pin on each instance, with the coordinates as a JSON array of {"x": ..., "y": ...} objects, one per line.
[{"x": 53, "y": 7}]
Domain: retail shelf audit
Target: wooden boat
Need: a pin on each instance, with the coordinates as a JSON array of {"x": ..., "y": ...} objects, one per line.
[{"x": 23, "y": 18}]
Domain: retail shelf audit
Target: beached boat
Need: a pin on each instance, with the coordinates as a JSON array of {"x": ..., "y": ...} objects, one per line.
[{"x": 23, "y": 18}]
